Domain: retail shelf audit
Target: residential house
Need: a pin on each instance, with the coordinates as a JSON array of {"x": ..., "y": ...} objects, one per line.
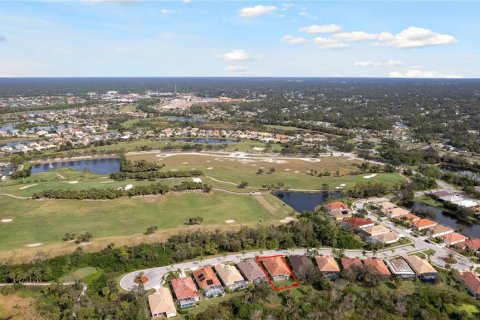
[
  {"x": 302, "y": 266},
  {"x": 423, "y": 224},
  {"x": 387, "y": 238},
  {"x": 230, "y": 277},
  {"x": 454, "y": 238},
  {"x": 251, "y": 271},
  {"x": 358, "y": 223},
  {"x": 375, "y": 230},
  {"x": 472, "y": 283},
  {"x": 277, "y": 268},
  {"x": 386, "y": 206},
  {"x": 351, "y": 263},
  {"x": 338, "y": 210},
  {"x": 400, "y": 268},
  {"x": 422, "y": 268},
  {"x": 396, "y": 212},
  {"x": 470, "y": 244},
  {"x": 208, "y": 282},
  {"x": 440, "y": 230},
  {"x": 328, "y": 266},
  {"x": 161, "y": 304},
  {"x": 409, "y": 217},
  {"x": 377, "y": 267},
  {"x": 185, "y": 291}
]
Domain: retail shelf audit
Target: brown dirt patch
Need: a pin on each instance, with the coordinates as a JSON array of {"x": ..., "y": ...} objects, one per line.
[{"x": 14, "y": 307}]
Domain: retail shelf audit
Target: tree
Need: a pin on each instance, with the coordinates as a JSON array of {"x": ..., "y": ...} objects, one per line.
[
  {"x": 243, "y": 184},
  {"x": 325, "y": 188},
  {"x": 272, "y": 170}
]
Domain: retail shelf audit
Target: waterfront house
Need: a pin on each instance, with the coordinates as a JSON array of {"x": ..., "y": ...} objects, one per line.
[
  {"x": 454, "y": 238},
  {"x": 440, "y": 230},
  {"x": 338, "y": 210},
  {"x": 423, "y": 224}
]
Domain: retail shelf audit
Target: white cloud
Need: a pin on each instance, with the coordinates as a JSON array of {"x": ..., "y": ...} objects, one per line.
[
  {"x": 258, "y": 10},
  {"x": 412, "y": 37},
  {"x": 326, "y": 28},
  {"x": 330, "y": 43},
  {"x": 236, "y": 69},
  {"x": 186, "y": 1},
  {"x": 307, "y": 15},
  {"x": 294, "y": 40},
  {"x": 466, "y": 56},
  {"x": 371, "y": 63},
  {"x": 418, "y": 73},
  {"x": 236, "y": 55},
  {"x": 166, "y": 11},
  {"x": 356, "y": 36}
]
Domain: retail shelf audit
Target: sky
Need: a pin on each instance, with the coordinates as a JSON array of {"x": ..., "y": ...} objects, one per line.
[{"x": 135, "y": 38}]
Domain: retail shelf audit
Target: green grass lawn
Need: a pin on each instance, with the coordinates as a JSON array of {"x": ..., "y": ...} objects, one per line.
[
  {"x": 69, "y": 179},
  {"x": 80, "y": 274},
  {"x": 47, "y": 221},
  {"x": 292, "y": 172}
]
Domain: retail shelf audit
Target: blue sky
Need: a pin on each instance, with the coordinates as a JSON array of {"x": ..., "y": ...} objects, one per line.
[{"x": 239, "y": 38}]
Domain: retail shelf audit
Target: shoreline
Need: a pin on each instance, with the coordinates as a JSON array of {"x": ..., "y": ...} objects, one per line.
[{"x": 76, "y": 158}]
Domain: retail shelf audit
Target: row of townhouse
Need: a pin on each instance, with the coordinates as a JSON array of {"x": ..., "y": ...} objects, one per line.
[{"x": 427, "y": 226}]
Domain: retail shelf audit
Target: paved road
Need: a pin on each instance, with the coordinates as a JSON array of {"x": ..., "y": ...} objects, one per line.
[{"x": 156, "y": 275}]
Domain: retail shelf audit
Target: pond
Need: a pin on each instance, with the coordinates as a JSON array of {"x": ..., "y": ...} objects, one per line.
[
  {"x": 100, "y": 166},
  {"x": 186, "y": 119},
  {"x": 471, "y": 230},
  {"x": 207, "y": 140},
  {"x": 304, "y": 201}
]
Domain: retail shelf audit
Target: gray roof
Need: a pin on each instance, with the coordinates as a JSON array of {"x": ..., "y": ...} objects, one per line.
[
  {"x": 250, "y": 269},
  {"x": 399, "y": 266}
]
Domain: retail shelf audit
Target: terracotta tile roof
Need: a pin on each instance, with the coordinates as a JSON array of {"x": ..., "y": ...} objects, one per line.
[
  {"x": 378, "y": 265},
  {"x": 454, "y": 238},
  {"x": 184, "y": 288},
  {"x": 424, "y": 223},
  {"x": 471, "y": 281},
  {"x": 276, "y": 266},
  {"x": 349, "y": 263},
  {"x": 387, "y": 205},
  {"x": 205, "y": 277},
  {"x": 327, "y": 264},
  {"x": 397, "y": 212},
  {"x": 472, "y": 244},
  {"x": 376, "y": 230},
  {"x": 392, "y": 236},
  {"x": 336, "y": 205},
  {"x": 161, "y": 302},
  {"x": 358, "y": 222}
]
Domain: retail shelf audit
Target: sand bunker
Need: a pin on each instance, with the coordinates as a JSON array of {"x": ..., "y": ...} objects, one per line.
[
  {"x": 6, "y": 220},
  {"x": 287, "y": 169},
  {"x": 26, "y": 187},
  {"x": 370, "y": 176},
  {"x": 72, "y": 182},
  {"x": 296, "y": 171},
  {"x": 32, "y": 245},
  {"x": 287, "y": 220},
  {"x": 185, "y": 162},
  {"x": 209, "y": 168},
  {"x": 229, "y": 221}
]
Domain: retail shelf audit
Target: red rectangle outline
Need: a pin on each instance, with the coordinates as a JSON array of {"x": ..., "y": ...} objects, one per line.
[{"x": 272, "y": 283}]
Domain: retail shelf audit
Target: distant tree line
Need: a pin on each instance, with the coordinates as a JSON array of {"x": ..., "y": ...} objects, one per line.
[
  {"x": 110, "y": 194},
  {"x": 156, "y": 174}
]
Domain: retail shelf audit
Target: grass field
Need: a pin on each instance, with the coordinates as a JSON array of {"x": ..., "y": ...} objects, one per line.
[
  {"x": 69, "y": 179},
  {"x": 290, "y": 171},
  {"x": 47, "y": 221}
]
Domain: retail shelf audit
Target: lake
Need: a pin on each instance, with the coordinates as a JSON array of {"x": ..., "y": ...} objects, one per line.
[
  {"x": 304, "y": 201},
  {"x": 100, "y": 166},
  {"x": 471, "y": 230}
]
